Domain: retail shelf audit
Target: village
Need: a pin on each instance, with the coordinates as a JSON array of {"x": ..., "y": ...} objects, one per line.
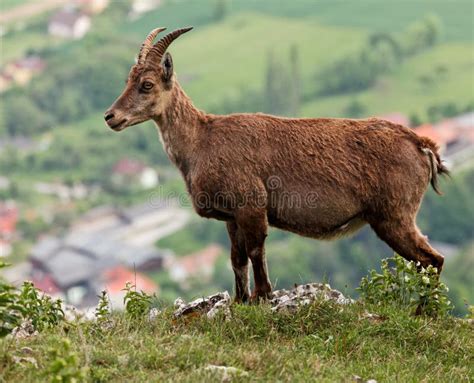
[
  {"x": 109, "y": 246},
  {"x": 96, "y": 245}
]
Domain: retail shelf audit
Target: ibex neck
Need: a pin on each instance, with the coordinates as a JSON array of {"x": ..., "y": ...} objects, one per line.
[{"x": 179, "y": 126}]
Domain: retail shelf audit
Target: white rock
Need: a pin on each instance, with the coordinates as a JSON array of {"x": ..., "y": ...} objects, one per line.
[{"x": 226, "y": 374}]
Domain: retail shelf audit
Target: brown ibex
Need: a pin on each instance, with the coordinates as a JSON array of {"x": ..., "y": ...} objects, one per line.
[{"x": 317, "y": 177}]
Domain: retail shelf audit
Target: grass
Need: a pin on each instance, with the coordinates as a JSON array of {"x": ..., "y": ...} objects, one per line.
[
  {"x": 403, "y": 91},
  {"x": 8, "y": 4},
  {"x": 322, "y": 342}
]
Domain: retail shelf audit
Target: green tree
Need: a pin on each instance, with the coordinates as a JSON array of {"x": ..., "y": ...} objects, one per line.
[{"x": 295, "y": 83}]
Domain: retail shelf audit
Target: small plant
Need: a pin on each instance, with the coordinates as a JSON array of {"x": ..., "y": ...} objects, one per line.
[
  {"x": 41, "y": 309},
  {"x": 10, "y": 311},
  {"x": 407, "y": 284},
  {"x": 65, "y": 367},
  {"x": 102, "y": 311},
  {"x": 137, "y": 304}
]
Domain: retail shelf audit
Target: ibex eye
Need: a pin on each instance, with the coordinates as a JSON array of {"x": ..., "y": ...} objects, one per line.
[{"x": 147, "y": 85}]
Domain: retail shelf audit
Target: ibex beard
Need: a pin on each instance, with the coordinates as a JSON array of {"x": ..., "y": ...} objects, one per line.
[{"x": 320, "y": 177}]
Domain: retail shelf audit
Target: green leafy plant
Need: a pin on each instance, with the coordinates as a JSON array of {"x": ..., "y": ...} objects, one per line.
[
  {"x": 41, "y": 309},
  {"x": 10, "y": 311},
  {"x": 137, "y": 304},
  {"x": 65, "y": 365},
  {"x": 102, "y": 311},
  {"x": 407, "y": 284}
]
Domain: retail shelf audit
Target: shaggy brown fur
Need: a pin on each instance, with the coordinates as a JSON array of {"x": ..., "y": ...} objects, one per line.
[{"x": 320, "y": 178}]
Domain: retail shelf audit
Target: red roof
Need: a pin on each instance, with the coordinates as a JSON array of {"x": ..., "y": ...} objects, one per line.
[
  {"x": 129, "y": 166},
  {"x": 194, "y": 263},
  {"x": 33, "y": 63},
  {"x": 396, "y": 118},
  {"x": 46, "y": 283},
  {"x": 117, "y": 277},
  {"x": 429, "y": 131},
  {"x": 8, "y": 219}
]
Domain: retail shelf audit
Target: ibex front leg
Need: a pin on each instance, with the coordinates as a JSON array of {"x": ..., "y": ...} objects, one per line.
[
  {"x": 253, "y": 224},
  {"x": 240, "y": 262}
]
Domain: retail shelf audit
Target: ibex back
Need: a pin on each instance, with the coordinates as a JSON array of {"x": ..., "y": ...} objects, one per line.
[{"x": 319, "y": 177}]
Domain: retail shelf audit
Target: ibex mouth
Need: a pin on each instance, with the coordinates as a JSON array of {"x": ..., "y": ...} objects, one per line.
[{"x": 120, "y": 126}]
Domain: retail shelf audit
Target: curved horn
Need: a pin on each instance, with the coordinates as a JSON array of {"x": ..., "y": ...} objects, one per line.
[
  {"x": 148, "y": 44},
  {"x": 160, "y": 47}
]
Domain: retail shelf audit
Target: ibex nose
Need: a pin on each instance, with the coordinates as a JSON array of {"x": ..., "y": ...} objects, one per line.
[{"x": 108, "y": 115}]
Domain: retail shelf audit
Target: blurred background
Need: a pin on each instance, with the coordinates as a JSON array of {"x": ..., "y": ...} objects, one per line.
[{"x": 83, "y": 208}]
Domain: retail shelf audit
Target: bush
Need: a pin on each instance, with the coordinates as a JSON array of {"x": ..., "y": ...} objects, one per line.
[
  {"x": 137, "y": 304},
  {"x": 28, "y": 303},
  {"x": 406, "y": 284},
  {"x": 10, "y": 312}
]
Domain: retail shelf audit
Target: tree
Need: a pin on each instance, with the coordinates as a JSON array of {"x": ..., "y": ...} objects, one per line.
[
  {"x": 355, "y": 109},
  {"x": 24, "y": 117},
  {"x": 221, "y": 9},
  {"x": 295, "y": 88}
]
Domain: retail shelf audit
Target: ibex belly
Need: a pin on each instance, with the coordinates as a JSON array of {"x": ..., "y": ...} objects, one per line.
[{"x": 315, "y": 218}]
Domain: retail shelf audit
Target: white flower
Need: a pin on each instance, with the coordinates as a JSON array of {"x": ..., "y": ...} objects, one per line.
[
  {"x": 407, "y": 278},
  {"x": 425, "y": 280}
]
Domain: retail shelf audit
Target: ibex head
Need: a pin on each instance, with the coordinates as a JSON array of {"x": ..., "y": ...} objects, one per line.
[{"x": 148, "y": 85}]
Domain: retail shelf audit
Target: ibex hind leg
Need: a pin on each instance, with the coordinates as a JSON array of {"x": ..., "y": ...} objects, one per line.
[
  {"x": 240, "y": 262},
  {"x": 404, "y": 237},
  {"x": 252, "y": 222}
]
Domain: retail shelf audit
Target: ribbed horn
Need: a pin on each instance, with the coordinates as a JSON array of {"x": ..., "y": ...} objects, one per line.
[
  {"x": 148, "y": 44},
  {"x": 162, "y": 45}
]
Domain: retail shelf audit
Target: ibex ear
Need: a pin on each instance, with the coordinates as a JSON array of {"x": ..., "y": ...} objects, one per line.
[{"x": 167, "y": 67}]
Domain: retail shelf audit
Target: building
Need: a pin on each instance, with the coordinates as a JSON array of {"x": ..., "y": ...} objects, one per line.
[
  {"x": 200, "y": 264},
  {"x": 115, "y": 279},
  {"x": 129, "y": 171},
  {"x": 455, "y": 136},
  {"x": 79, "y": 263},
  {"x": 93, "y": 7},
  {"x": 69, "y": 24},
  {"x": 140, "y": 7},
  {"x": 8, "y": 222},
  {"x": 21, "y": 71},
  {"x": 396, "y": 118}
]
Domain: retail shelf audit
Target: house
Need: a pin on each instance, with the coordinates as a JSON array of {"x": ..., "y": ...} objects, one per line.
[
  {"x": 21, "y": 71},
  {"x": 4, "y": 183},
  {"x": 64, "y": 192},
  {"x": 69, "y": 23},
  {"x": 6, "y": 82},
  {"x": 5, "y": 248},
  {"x": 428, "y": 130},
  {"x": 455, "y": 136},
  {"x": 93, "y": 7},
  {"x": 115, "y": 279},
  {"x": 129, "y": 171},
  {"x": 200, "y": 264},
  {"x": 8, "y": 221},
  {"x": 396, "y": 118},
  {"x": 104, "y": 239},
  {"x": 140, "y": 7}
]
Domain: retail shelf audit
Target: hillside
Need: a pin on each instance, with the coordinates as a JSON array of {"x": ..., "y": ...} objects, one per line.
[
  {"x": 229, "y": 63},
  {"x": 322, "y": 342}
]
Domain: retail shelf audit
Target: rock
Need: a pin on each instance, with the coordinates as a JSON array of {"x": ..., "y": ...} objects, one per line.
[
  {"x": 302, "y": 295},
  {"x": 226, "y": 374},
  {"x": 26, "y": 350},
  {"x": 375, "y": 318},
  {"x": 210, "y": 305},
  {"x": 280, "y": 300},
  {"x": 153, "y": 314},
  {"x": 25, "y": 359},
  {"x": 24, "y": 331}
]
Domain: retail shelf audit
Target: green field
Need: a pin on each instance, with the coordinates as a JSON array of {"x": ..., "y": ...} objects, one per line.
[{"x": 322, "y": 342}]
